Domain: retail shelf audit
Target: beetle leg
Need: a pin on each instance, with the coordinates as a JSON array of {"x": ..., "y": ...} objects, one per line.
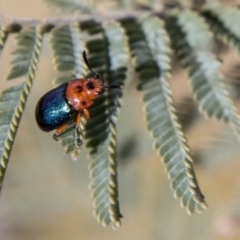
[
  {"x": 59, "y": 130},
  {"x": 86, "y": 114},
  {"x": 78, "y": 122}
]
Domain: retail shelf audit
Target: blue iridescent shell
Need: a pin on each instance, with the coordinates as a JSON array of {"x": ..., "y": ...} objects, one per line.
[{"x": 53, "y": 109}]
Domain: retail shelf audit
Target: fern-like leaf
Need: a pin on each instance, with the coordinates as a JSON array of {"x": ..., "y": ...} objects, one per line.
[
  {"x": 70, "y": 5},
  {"x": 13, "y": 100},
  {"x": 224, "y": 23},
  {"x": 149, "y": 45},
  {"x": 192, "y": 46},
  {"x": 67, "y": 47},
  {"x": 3, "y": 37},
  {"x": 103, "y": 166}
]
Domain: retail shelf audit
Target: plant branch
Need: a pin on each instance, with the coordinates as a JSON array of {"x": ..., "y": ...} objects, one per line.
[{"x": 16, "y": 24}]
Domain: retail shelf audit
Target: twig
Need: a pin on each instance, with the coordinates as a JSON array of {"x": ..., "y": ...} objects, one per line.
[{"x": 13, "y": 24}]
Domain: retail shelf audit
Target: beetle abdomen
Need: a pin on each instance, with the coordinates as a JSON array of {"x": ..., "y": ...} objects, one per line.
[{"x": 53, "y": 110}]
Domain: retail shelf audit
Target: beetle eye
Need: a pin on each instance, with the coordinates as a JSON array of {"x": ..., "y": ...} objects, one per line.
[
  {"x": 90, "y": 85},
  {"x": 79, "y": 88},
  {"x": 83, "y": 103}
]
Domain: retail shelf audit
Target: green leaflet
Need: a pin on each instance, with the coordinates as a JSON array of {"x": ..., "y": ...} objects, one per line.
[
  {"x": 70, "y": 5},
  {"x": 192, "y": 42},
  {"x": 150, "y": 50},
  {"x": 67, "y": 48},
  {"x": 103, "y": 165},
  {"x": 24, "y": 57},
  {"x": 3, "y": 37},
  {"x": 13, "y": 100},
  {"x": 224, "y": 23},
  {"x": 97, "y": 127}
]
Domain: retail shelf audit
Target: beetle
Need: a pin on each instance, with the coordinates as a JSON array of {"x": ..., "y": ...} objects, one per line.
[{"x": 69, "y": 101}]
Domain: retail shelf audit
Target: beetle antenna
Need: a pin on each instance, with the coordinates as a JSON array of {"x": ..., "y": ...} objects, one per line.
[{"x": 87, "y": 62}]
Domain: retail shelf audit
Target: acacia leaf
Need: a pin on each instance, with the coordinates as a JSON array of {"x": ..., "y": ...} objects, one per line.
[
  {"x": 169, "y": 140},
  {"x": 13, "y": 100},
  {"x": 193, "y": 48},
  {"x": 3, "y": 37},
  {"x": 102, "y": 137},
  {"x": 224, "y": 21}
]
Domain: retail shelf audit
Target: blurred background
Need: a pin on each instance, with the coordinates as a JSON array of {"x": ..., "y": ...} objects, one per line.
[{"x": 46, "y": 196}]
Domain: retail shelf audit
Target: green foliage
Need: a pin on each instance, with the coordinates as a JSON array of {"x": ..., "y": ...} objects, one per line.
[
  {"x": 224, "y": 23},
  {"x": 100, "y": 132},
  {"x": 150, "y": 48},
  {"x": 13, "y": 100},
  {"x": 107, "y": 44},
  {"x": 193, "y": 49},
  {"x": 70, "y": 5},
  {"x": 102, "y": 129},
  {"x": 3, "y": 37}
]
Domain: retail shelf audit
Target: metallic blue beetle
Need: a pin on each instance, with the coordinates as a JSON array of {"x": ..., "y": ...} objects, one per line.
[{"x": 69, "y": 101}]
